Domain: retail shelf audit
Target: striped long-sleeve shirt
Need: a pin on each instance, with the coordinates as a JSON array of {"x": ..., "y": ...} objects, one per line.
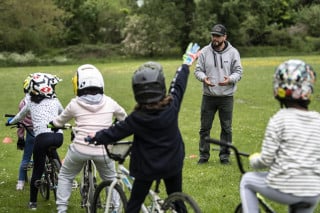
[{"x": 291, "y": 150}]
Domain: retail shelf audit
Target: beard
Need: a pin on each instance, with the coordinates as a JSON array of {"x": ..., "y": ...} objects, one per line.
[{"x": 217, "y": 44}]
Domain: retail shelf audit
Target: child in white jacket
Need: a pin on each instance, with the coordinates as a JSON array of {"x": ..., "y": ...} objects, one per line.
[{"x": 92, "y": 111}]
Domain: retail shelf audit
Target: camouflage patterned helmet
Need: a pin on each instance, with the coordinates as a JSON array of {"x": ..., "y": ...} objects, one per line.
[{"x": 293, "y": 80}]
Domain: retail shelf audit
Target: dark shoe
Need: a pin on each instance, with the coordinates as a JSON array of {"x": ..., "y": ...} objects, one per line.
[
  {"x": 202, "y": 161},
  {"x": 33, "y": 206},
  {"x": 224, "y": 160}
]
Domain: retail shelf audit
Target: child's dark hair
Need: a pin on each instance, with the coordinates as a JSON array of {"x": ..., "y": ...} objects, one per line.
[
  {"x": 154, "y": 106},
  {"x": 36, "y": 98},
  {"x": 287, "y": 103}
]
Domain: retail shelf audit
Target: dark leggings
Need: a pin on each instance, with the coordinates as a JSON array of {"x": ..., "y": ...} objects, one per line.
[
  {"x": 140, "y": 189},
  {"x": 41, "y": 147}
]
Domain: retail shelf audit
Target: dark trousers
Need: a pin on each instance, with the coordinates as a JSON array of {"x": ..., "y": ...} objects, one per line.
[
  {"x": 40, "y": 150},
  {"x": 140, "y": 189},
  {"x": 209, "y": 106}
]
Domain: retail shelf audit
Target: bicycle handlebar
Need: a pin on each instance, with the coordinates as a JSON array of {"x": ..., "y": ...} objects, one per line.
[
  {"x": 229, "y": 145},
  {"x": 18, "y": 124},
  {"x": 65, "y": 126},
  {"x": 9, "y": 115},
  {"x": 89, "y": 139}
]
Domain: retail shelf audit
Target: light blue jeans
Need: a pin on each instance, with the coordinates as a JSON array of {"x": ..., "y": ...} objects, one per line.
[
  {"x": 254, "y": 182},
  {"x": 72, "y": 166},
  {"x": 27, "y": 154}
]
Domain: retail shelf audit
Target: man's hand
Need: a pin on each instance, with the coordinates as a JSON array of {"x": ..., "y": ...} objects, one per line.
[
  {"x": 207, "y": 81},
  {"x": 20, "y": 144},
  {"x": 225, "y": 82}
]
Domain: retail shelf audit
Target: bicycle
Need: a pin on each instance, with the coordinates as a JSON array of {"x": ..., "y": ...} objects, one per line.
[
  {"x": 110, "y": 196},
  {"x": 49, "y": 178},
  {"x": 88, "y": 181},
  {"x": 263, "y": 205},
  {"x": 88, "y": 185}
]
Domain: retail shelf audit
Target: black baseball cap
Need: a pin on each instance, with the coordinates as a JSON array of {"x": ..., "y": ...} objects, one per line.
[{"x": 219, "y": 29}]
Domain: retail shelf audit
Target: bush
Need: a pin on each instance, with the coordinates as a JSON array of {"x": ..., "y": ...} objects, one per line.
[{"x": 90, "y": 51}]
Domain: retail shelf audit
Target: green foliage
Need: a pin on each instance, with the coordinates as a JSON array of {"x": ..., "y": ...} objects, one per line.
[
  {"x": 154, "y": 28},
  {"x": 310, "y": 16},
  {"x": 28, "y": 25}
]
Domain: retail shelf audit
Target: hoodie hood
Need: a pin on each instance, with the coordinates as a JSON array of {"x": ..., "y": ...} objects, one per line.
[{"x": 91, "y": 102}]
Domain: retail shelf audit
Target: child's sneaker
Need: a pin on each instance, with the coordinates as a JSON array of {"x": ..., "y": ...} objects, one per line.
[
  {"x": 20, "y": 185},
  {"x": 33, "y": 206}
]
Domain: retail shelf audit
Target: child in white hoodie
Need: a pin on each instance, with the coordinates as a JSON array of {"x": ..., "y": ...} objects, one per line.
[{"x": 92, "y": 111}]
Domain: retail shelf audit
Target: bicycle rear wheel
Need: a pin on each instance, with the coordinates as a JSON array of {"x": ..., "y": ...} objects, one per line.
[
  {"x": 180, "y": 202},
  {"x": 44, "y": 186},
  {"x": 238, "y": 208},
  {"x": 54, "y": 176},
  {"x": 87, "y": 186},
  {"x": 118, "y": 199}
]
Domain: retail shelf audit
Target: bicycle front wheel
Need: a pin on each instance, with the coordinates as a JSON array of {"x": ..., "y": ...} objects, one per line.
[
  {"x": 238, "y": 209},
  {"x": 104, "y": 202},
  {"x": 180, "y": 202}
]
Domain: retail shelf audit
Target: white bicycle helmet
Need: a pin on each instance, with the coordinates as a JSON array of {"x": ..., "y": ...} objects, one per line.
[
  {"x": 87, "y": 76},
  {"x": 293, "y": 81},
  {"x": 43, "y": 84}
]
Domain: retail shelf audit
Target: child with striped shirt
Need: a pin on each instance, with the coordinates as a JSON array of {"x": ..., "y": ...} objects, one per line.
[{"x": 291, "y": 146}]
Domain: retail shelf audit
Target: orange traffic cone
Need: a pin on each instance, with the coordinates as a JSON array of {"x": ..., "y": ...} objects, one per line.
[{"x": 7, "y": 140}]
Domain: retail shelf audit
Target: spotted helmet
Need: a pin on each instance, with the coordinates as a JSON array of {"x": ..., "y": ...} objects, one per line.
[
  {"x": 43, "y": 84},
  {"x": 293, "y": 81}
]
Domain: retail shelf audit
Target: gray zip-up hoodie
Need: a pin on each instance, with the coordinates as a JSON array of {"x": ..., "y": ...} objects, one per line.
[{"x": 216, "y": 65}]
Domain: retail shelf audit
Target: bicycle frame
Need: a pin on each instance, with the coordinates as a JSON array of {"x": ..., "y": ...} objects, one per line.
[
  {"x": 124, "y": 179},
  {"x": 49, "y": 180}
]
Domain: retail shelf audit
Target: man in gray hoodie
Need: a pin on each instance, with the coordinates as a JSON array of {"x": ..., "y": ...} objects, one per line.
[{"x": 219, "y": 69}]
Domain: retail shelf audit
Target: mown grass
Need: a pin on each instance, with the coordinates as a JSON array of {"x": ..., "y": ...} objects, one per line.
[{"x": 215, "y": 187}]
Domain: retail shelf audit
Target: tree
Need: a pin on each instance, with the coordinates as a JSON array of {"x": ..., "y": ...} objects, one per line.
[
  {"x": 93, "y": 21},
  {"x": 29, "y": 25}
]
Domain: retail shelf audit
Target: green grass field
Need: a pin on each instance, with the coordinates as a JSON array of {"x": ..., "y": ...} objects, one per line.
[{"x": 215, "y": 187}]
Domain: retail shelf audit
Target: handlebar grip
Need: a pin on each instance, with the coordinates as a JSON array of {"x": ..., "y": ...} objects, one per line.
[
  {"x": 9, "y": 115},
  {"x": 89, "y": 140}
]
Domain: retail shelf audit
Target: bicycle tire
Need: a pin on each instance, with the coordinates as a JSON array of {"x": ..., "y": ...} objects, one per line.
[
  {"x": 91, "y": 190},
  {"x": 170, "y": 203},
  {"x": 262, "y": 209},
  {"x": 56, "y": 165},
  {"x": 87, "y": 187},
  {"x": 44, "y": 186},
  {"x": 100, "y": 198},
  {"x": 238, "y": 208}
]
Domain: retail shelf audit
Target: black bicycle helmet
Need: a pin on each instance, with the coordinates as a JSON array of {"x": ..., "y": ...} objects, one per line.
[{"x": 148, "y": 83}]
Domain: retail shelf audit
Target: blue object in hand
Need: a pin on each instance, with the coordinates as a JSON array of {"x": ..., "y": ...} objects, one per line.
[{"x": 8, "y": 121}]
